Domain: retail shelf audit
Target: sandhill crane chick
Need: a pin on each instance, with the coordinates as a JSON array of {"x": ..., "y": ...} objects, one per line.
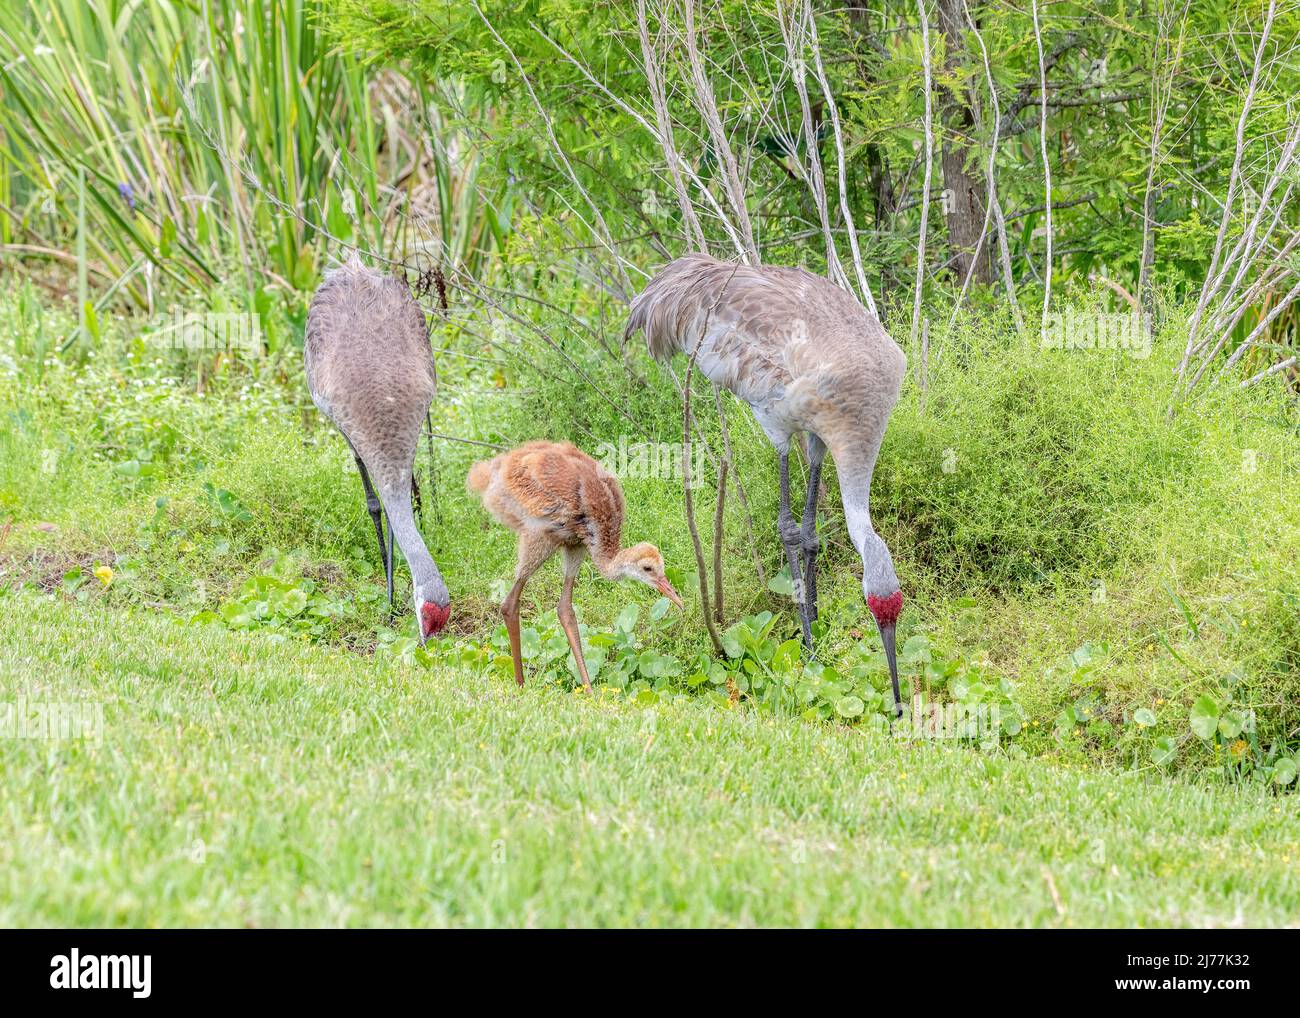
[{"x": 557, "y": 498}]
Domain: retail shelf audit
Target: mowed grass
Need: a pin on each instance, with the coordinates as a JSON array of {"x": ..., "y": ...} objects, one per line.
[{"x": 244, "y": 782}]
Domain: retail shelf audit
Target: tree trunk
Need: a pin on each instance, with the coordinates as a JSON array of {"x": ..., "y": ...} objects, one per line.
[
  {"x": 882, "y": 187},
  {"x": 1146, "y": 295},
  {"x": 963, "y": 199}
]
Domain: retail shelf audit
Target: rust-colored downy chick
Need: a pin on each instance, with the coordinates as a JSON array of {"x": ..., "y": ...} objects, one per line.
[{"x": 557, "y": 498}]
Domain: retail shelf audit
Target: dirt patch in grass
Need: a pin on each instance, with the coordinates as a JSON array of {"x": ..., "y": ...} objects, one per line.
[
  {"x": 473, "y": 616},
  {"x": 45, "y": 568}
]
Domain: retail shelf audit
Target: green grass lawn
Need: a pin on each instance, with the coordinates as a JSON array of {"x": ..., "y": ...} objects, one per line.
[{"x": 243, "y": 782}]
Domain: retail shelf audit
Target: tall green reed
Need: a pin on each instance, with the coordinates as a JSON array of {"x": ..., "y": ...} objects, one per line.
[{"x": 221, "y": 142}]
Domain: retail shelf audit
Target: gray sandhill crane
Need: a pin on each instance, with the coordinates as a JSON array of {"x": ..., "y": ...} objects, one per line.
[
  {"x": 806, "y": 357},
  {"x": 370, "y": 371},
  {"x": 556, "y": 497}
]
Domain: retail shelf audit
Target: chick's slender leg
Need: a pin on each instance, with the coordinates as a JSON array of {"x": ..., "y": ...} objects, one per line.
[
  {"x": 533, "y": 551},
  {"x": 510, "y": 612},
  {"x": 568, "y": 620}
]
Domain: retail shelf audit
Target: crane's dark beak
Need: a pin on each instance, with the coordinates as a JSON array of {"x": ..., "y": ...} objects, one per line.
[{"x": 887, "y": 638}]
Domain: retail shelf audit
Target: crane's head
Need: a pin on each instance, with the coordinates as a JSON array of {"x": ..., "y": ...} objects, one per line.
[
  {"x": 885, "y": 610},
  {"x": 432, "y": 609},
  {"x": 885, "y": 599},
  {"x": 643, "y": 562}
]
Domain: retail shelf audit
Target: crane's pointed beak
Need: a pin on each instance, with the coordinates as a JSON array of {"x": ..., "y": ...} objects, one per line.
[
  {"x": 667, "y": 590},
  {"x": 887, "y": 638}
]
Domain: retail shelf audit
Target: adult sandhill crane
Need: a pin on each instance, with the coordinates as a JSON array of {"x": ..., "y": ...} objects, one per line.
[
  {"x": 807, "y": 358},
  {"x": 557, "y": 498},
  {"x": 370, "y": 371}
]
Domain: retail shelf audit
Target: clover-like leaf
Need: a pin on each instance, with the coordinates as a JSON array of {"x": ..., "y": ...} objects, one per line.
[
  {"x": 781, "y": 583},
  {"x": 1232, "y": 723},
  {"x": 627, "y": 618},
  {"x": 1284, "y": 771},
  {"x": 1163, "y": 751},
  {"x": 1204, "y": 718},
  {"x": 849, "y": 706}
]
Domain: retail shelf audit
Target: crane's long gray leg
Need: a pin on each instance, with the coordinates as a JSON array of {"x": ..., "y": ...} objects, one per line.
[
  {"x": 388, "y": 565},
  {"x": 375, "y": 509},
  {"x": 808, "y": 535},
  {"x": 792, "y": 538}
]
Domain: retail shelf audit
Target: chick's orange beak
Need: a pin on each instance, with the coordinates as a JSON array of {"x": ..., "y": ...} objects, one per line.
[{"x": 666, "y": 589}]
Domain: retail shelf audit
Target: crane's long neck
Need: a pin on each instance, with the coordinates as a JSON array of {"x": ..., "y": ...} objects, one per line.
[
  {"x": 879, "y": 581},
  {"x": 605, "y": 543},
  {"x": 609, "y": 564},
  {"x": 425, "y": 577},
  {"x": 855, "y": 491}
]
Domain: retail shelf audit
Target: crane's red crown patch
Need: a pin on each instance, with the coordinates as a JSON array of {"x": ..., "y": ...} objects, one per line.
[
  {"x": 433, "y": 618},
  {"x": 886, "y": 609}
]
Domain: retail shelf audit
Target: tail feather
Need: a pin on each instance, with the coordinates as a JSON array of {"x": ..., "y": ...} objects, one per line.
[
  {"x": 480, "y": 476},
  {"x": 677, "y": 304}
]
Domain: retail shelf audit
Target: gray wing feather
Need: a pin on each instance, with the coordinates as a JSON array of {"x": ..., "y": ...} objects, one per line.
[
  {"x": 369, "y": 364},
  {"x": 773, "y": 335}
]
